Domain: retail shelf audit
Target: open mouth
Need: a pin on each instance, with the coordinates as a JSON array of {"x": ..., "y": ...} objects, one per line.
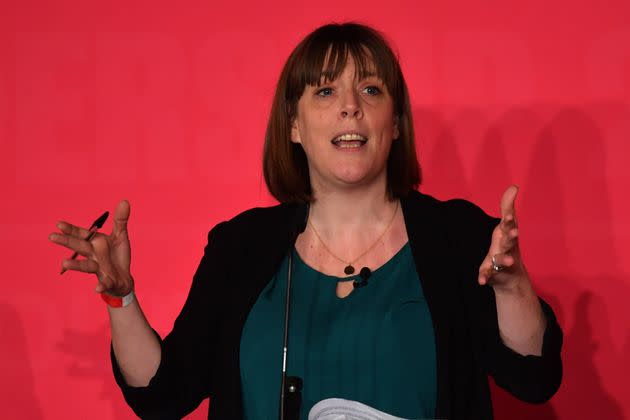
[{"x": 349, "y": 141}]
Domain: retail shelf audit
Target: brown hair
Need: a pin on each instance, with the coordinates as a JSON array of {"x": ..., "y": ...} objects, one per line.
[{"x": 285, "y": 165}]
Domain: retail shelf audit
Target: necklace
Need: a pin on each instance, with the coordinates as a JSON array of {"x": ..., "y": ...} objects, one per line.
[{"x": 349, "y": 269}]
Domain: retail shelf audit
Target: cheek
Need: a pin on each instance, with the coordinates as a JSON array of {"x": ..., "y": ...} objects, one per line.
[
  {"x": 315, "y": 128},
  {"x": 387, "y": 128}
]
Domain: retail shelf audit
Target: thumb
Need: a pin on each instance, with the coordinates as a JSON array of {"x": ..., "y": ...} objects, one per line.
[
  {"x": 121, "y": 216},
  {"x": 507, "y": 201}
]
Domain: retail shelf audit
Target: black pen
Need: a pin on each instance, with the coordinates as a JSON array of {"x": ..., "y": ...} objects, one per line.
[{"x": 98, "y": 223}]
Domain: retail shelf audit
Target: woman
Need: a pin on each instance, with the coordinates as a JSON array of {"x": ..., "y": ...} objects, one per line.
[{"x": 442, "y": 299}]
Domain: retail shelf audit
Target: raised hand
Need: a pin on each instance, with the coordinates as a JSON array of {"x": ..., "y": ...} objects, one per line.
[
  {"x": 107, "y": 256},
  {"x": 503, "y": 268}
]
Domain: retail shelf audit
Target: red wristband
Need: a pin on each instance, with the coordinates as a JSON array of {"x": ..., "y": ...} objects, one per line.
[{"x": 118, "y": 301}]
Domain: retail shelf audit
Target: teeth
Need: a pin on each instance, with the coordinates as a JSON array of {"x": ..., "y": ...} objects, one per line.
[
  {"x": 350, "y": 137},
  {"x": 349, "y": 145}
]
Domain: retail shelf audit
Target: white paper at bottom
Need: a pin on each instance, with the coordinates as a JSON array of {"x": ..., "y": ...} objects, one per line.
[{"x": 340, "y": 409}]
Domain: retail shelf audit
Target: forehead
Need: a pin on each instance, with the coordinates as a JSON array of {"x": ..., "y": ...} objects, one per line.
[
  {"x": 319, "y": 62},
  {"x": 330, "y": 72},
  {"x": 337, "y": 60}
]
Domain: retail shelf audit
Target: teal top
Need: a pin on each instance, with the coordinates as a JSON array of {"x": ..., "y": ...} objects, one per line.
[{"x": 375, "y": 346}]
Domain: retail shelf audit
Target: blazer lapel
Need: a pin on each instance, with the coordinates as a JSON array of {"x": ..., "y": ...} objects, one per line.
[{"x": 429, "y": 242}]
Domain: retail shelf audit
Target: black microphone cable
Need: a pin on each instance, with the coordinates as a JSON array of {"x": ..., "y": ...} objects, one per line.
[{"x": 290, "y": 386}]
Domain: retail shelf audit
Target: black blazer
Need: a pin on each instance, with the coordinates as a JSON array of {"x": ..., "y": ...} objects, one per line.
[{"x": 200, "y": 356}]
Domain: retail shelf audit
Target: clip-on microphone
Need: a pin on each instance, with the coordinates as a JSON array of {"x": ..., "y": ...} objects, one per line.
[
  {"x": 291, "y": 386},
  {"x": 365, "y": 274}
]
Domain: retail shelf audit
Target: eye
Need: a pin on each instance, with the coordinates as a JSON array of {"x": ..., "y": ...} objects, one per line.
[
  {"x": 372, "y": 90},
  {"x": 324, "y": 91}
]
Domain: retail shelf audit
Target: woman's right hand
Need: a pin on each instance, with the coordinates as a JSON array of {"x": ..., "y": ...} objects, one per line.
[{"x": 107, "y": 256}]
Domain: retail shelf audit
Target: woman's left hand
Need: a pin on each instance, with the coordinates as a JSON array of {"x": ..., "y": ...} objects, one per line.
[{"x": 507, "y": 271}]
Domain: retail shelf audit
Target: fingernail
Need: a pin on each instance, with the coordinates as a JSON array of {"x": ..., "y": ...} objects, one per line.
[{"x": 52, "y": 236}]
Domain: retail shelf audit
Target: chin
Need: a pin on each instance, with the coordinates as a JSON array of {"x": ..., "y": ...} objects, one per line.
[{"x": 355, "y": 176}]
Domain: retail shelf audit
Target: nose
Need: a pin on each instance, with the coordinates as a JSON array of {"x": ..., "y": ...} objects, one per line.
[{"x": 350, "y": 106}]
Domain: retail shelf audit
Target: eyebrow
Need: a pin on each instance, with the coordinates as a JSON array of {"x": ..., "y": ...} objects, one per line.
[{"x": 324, "y": 77}]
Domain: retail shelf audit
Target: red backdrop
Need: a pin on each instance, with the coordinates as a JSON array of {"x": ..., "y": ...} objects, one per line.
[{"x": 166, "y": 106}]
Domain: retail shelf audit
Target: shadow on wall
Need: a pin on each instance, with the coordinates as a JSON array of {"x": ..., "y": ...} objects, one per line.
[
  {"x": 18, "y": 394},
  {"x": 89, "y": 355},
  {"x": 89, "y": 352},
  {"x": 565, "y": 212},
  {"x": 583, "y": 390}
]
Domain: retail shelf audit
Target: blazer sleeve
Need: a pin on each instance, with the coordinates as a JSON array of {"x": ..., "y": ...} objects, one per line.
[
  {"x": 184, "y": 377},
  {"x": 530, "y": 378}
]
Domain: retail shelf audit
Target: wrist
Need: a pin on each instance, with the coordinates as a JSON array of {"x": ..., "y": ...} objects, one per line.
[
  {"x": 518, "y": 286},
  {"x": 118, "y": 301}
]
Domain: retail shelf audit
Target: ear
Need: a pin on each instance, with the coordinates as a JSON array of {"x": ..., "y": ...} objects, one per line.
[
  {"x": 295, "y": 132},
  {"x": 396, "y": 131}
]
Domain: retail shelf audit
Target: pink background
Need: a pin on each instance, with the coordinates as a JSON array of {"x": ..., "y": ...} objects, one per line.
[{"x": 166, "y": 106}]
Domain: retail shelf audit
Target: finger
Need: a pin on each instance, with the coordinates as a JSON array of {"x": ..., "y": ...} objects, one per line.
[
  {"x": 81, "y": 246},
  {"x": 508, "y": 212},
  {"x": 484, "y": 277},
  {"x": 503, "y": 260},
  {"x": 72, "y": 230},
  {"x": 487, "y": 271},
  {"x": 105, "y": 284},
  {"x": 508, "y": 241},
  {"x": 121, "y": 216},
  {"x": 105, "y": 281},
  {"x": 507, "y": 224},
  {"x": 84, "y": 266},
  {"x": 503, "y": 241}
]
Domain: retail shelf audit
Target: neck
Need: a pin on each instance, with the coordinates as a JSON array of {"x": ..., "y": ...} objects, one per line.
[{"x": 344, "y": 212}]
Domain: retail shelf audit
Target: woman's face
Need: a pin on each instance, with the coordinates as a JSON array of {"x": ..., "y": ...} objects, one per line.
[{"x": 346, "y": 128}]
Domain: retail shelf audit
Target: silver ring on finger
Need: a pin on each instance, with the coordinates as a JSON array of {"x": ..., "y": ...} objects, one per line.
[{"x": 496, "y": 267}]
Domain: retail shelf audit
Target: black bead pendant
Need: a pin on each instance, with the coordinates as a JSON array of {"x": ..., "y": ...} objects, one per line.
[{"x": 349, "y": 269}]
